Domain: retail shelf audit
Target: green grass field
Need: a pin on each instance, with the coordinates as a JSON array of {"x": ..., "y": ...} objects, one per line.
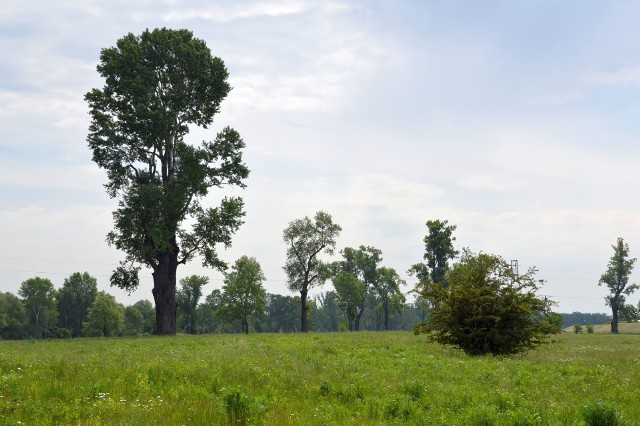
[{"x": 339, "y": 378}]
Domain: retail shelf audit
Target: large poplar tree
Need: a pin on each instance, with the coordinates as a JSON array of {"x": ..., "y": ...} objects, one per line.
[
  {"x": 159, "y": 85},
  {"x": 617, "y": 279}
]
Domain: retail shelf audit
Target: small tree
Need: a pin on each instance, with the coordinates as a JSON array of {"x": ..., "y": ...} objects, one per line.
[
  {"x": 145, "y": 307},
  {"x": 39, "y": 299},
  {"x": 133, "y": 321},
  {"x": 438, "y": 244},
  {"x": 74, "y": 300},
  {"x": 243, "y": 295},
  {"x": 206, "y": 312},
  {"x": 362, "y": 263},
  {"x": 617, "y": 279},
  {"x": 350, "y": 293},
  {"x": 105, "y": 318},
  {"x": 387, "y": 287},
  {"x": 188, "y": 297},
  {"x": 14, "y": 318},
  {"x": 486, "y": 308},
  {"x": 305, "y": 240}
]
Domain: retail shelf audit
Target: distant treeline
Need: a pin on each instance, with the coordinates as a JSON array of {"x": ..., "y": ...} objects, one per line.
[
  {"x": 101, "y": 315},
  {"x": 580, "y": 318}
]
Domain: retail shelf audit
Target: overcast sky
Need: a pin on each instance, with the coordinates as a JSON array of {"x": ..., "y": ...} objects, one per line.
[{"x": 516, "y": 121}]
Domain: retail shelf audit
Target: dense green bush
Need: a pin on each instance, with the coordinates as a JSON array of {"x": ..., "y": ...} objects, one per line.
[
  {"x": 600, "y": 414},
  {"x": 486, "y": 308}
]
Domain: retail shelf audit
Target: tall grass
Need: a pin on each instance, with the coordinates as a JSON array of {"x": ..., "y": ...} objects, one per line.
[{"x": 339, "y": 378}]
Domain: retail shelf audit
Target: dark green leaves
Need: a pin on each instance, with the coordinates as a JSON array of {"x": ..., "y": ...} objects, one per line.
[
  {"x": 158, "y": 84},
  {"x": 486, "y": 308}
]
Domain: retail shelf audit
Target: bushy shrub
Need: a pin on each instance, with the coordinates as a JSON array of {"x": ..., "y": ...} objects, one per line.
[
  {"x": 486, "y": 308},
  {"x": 577, "y": 329},
  {"x": 600, "y": 414}
]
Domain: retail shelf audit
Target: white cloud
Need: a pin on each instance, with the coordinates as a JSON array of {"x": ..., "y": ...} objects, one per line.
[{"x": 217, "y": 13}]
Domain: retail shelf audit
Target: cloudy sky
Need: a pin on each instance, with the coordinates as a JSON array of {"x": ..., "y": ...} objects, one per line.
[{"x": 516, "y": 121}]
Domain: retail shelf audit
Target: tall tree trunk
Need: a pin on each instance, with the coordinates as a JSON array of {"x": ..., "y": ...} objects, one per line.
[
  {"x": 245, "y": 326},
  {"x": 614, "y": 320},
  {"x": 304, "y": 325},
  {"x": 164, "y": 293}
]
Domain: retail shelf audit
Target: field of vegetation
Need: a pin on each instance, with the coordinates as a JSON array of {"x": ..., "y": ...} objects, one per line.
[{"x": 317, "y": 378}]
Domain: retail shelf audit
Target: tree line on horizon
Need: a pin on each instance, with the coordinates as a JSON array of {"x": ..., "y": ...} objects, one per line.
[{"x": 78, "y": 309}]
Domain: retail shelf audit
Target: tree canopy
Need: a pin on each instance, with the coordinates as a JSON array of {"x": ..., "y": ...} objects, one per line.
[
  {"x": 39, "y": 299},
  {"x": 105, "y": 317},
  {"x": 243, "y": 294},
  {"x": 616, "y": 278},
  {"x": 305, "y": 240},
  {"x": 387, "y": 288},
  {"x": 158, "y": 85},
  {"x": 351, "y": 294},
  {"x": 362, "y": 263},
  {"x": 188, "y": 297},
  {"x": 74, "y": 300},
  {"x": 439, "y": 250},
  {"x": 486, "y": 308}
]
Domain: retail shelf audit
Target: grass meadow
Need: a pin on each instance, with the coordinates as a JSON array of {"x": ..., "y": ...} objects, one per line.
[{"x": 316, "y": 379}]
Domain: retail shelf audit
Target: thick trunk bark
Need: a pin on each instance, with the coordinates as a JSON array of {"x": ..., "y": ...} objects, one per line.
[
  {"x": 614, "y": 320},
  {"x": 164, "y": 294},
  {"x": 304, "y": 325}
]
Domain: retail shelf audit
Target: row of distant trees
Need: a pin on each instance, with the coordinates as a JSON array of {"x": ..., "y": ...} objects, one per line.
[{"x": 78, "y": 309}]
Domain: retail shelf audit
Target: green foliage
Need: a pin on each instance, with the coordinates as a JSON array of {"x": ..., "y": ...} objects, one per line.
[
  {"x": 589, "y": 329},
  {"x": 133, "y": 321},
  {"x": 282, "y": 314},
  {"x": 39, "y": 301},
  {"x": 187, "y": 298},
  {"x": 242, "y": 409},
  {"x": 145, "y": 308},
  {"x": 629, "y": 313},
  {"x": 243, "y": 295},
  {"x": 554, "y": 320},
  {"x": 438, "y": 251},
  {"x": 486, "y": 308},
  {"x": 577, "y": 329},
  {"x": 601, "y": 414},
  {"x": 362, "y": 263},
  {"x": 387, "y": 288},
  {"x": 13, "y": 318},
  {"x": 238, "y": 407},
  {"x": 350, "y": 295},
  {"x": 105, "y": 317},
  {"x": 616, "y": 279},
  {"x": 74, "y": 300},
  {"x": 158, "y": 85},
  {"x": 305, "y": 240}
]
